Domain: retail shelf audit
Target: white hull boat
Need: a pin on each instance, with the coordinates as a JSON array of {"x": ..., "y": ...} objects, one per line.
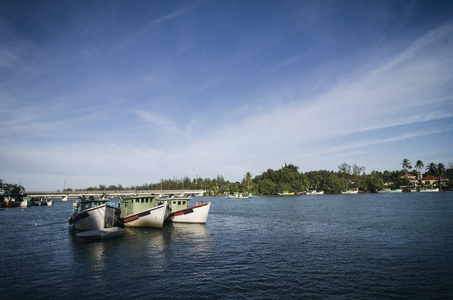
[
  {"x": 26, "y": 202},
  {"x": 238, "y": 196},
  {"x": 429, "y": 190},
  {"x": 350, "y": 192},
  {"x": 93, "y": 218},
  {"x": 153, "y": 217},
  {"x": 197, "y": 214},
  {"x": 314, "y": 193}
]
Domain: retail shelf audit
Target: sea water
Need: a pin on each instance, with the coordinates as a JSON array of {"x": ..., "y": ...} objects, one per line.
[{"x": 377, "y": 246}]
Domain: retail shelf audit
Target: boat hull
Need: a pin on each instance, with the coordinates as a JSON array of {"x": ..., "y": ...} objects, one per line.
[
  {"x": 26, "y": 203},
  {"x": 96, "y": 218},
  {"x": 429, "y": 190},
  {"x": 311, "y": 193},
  {"x": 286, "y": 194},
  {"x": 390, "y": 191},
  {"x": 197, "y": 214},
  {"x": 102, "y": 233},
  {"x": 10, "y": 204},
  {"x": 153, "y": 217},
  {"x": 238, "y": 196},
  {"x": 350, "y": 193}
]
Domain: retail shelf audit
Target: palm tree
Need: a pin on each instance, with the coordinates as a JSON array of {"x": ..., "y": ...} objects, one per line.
[
  {"x": 431, "y": 168},
  {"x": 440, "y": 169},
  {"x": 406, "y": 165},
  {"x": 248, "y": 180},
  {"x": 419, "y": 165}
]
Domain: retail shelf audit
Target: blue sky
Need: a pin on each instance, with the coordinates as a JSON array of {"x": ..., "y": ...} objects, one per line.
[{"x": 130, "y": 92}]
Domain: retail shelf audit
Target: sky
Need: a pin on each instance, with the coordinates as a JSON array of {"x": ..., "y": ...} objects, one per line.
[{"x": 132, "y": 92}]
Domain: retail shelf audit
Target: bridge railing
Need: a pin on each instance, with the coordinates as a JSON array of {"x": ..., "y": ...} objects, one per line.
[{"x": 78, "y": 193}]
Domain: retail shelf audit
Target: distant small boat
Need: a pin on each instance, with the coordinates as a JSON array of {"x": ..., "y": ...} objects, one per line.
[
  {"x": 237, "y": 195},
  {"x": 102, "y": 233},
  {"x": 390, "y": 191},
  {"x": 39, "y": 202},
  {"x": 351, "y": 192},
  {"x": 429, "y": 190},
  {"x": 27, "y": 202},
  {"x": 314, "y": 192},
  {"x": 286, "y": 193},
  {"x": 10, "y": 202}
]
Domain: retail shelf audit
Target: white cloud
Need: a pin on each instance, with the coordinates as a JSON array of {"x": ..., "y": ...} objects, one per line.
[
  {"x": 171, "y": 16},
  {"x": 163, "y": 122}
]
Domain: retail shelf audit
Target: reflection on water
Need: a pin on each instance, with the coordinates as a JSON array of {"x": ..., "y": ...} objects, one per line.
[
  {"x": 142, "y": 252},
  {"x": 157, "y": 249},
  {"x": 194, "y": 235},
  {"x": 181, "y": 231}
]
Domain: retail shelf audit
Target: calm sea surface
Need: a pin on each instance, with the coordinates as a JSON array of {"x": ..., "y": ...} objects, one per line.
[{"x": 340, "y": 246}]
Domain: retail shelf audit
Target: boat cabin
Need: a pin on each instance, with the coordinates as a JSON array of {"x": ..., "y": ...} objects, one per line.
[
  {"x": 131, "y": 205},
  {"x": 178, "y": 204},
  {"x": 85, "y": 204}
]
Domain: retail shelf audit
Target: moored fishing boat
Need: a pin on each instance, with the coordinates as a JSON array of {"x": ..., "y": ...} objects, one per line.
[
  {"x": 429, "y": 190},
  {"x": 390, "y": 191},
  {"x": 237, "y": 195},
  {"x": 27, "y": 202},
  {"x": 10, "y": 202},
  {"x": 49, "y": 202},
  {"x": 144, "y": 211},
  {"x": 352, "y": 191},
  {"x": 286, "y": 193},
  {"x": 181, "y": 212},
  {"x": 93, "y": 214},
  {"x": 314, "y": 192},
  {"x": 39, "y": 202}
]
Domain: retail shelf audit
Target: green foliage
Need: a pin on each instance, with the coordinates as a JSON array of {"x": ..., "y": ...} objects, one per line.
[
  {"x": 370, "y": 183},
  {"x": 266, "y": 187},
  {"x": 419, "y": 165},
  {"x": 286, "y": 179},
  {"x": 12, "y": 190},
  {"x": 399, "y": 182},
  {"x": 406, "y": 165},
  {"x": 431, "y": 169}
]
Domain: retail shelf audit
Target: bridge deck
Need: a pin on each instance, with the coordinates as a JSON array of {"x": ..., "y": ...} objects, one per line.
[{"x": 86, "y": 193}]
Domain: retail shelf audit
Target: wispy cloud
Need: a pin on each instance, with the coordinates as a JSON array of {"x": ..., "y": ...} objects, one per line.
[
  {"x": 159, "y": 120},
  {"x": 171, "y": 16}
]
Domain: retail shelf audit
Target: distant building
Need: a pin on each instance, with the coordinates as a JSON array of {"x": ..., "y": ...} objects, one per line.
[
  {"x": 433, "y": 180},
  {"x": 412, "y": 179}
]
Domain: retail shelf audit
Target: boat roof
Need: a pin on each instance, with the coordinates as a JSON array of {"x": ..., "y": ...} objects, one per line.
[
  {"x": 94, "y": 200},
  {"x": 140, "y": 196}
]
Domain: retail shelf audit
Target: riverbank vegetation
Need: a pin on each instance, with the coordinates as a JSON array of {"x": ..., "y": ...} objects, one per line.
[{"x": 289, "y": 179}]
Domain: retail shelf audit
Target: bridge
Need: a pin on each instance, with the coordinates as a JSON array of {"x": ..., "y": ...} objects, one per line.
[{"x": 108, "y": 193}]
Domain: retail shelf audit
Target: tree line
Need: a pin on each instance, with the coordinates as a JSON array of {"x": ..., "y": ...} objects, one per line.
[
  {"x": 10, "y": 190},
  {"x": 287, "y": 179}
]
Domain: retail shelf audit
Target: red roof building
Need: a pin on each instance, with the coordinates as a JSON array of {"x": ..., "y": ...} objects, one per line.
[
  {"x": 431, "y": 180},
  {"x": 412, "y": 178}
]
